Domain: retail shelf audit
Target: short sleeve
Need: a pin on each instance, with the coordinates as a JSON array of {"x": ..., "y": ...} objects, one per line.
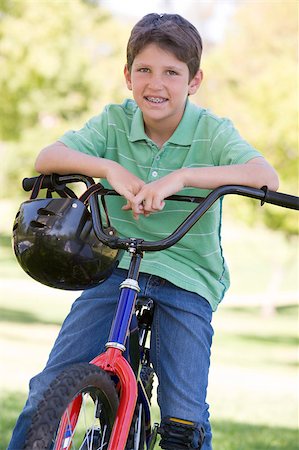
[
  {"x": 228, "y": 147},
  {"x": 91, "y": 139}
]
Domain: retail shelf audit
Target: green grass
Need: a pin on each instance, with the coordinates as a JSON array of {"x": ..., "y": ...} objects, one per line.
[
  {"x": 10, "y": 403},
  {"x": 231, "y": 435}
]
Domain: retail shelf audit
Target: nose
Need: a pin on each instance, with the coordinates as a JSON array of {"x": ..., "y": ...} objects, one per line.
[{"x": 156, "y": 82}]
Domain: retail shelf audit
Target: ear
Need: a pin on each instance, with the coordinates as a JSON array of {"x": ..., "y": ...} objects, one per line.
[
  {"x": 195, "y": 82},
  {"x": 128, "y": 77}
]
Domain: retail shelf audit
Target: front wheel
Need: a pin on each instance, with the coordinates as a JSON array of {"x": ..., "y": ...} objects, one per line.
[{"x": 99, "y": 405}]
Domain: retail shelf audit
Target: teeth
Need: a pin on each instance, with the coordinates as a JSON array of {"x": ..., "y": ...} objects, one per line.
[{"x": 156, "y": 100}]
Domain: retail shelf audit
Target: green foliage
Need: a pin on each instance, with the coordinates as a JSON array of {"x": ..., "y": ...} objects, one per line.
[
  {"x": 252, "y": 78},
  {"x": 51, "y": 63},
  {"x": 59, "y": 65}
]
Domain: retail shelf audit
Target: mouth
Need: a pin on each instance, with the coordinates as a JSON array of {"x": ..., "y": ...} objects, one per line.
[{"x": 156, "y": 100}]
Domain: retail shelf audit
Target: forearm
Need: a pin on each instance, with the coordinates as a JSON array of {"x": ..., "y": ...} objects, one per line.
[
  {"x": 58, "y": 158},
  {"x": 255, "y": 173}
]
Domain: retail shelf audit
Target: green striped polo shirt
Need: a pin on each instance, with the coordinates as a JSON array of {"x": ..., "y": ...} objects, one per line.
[{"x": 196, "y": 263}]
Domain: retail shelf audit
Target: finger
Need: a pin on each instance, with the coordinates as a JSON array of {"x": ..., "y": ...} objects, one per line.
[
  {"x": 148, "y": 204},
  {"x": 131, "y": 204},
  {"x": 126, "y": 207},
  {"x": 154, "y": 204},
  {"x": 137, "y": 205},
  {"x": 135, "y": 216},
  {"x": 158, "y": 204}
]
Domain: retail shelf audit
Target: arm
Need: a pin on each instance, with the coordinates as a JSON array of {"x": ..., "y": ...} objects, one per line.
[
  {"x": 58, "y": 158},
  {"x": 255, "y": 173}
]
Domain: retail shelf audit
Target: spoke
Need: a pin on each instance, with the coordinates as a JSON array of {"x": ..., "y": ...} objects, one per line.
[
  {"x": 138, "y": 428},
  {"x": 94, "y": 420},
  {"x": 86, "y": 440},
  {"x": 103, "y": 443},
  {"x": 85, "y": 422},
  {"x": 73, "y": 431},
  {"x": 66, "y": 440},
  {"x": 93, "y": 428}
]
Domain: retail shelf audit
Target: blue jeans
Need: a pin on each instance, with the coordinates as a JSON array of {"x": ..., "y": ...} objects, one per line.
[{"x": 180, "y": 348}]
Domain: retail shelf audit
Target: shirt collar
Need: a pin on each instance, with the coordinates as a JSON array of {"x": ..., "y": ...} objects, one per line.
[
  {"x": 137, "y": 132},
  {"x": 184, "y": 133}
]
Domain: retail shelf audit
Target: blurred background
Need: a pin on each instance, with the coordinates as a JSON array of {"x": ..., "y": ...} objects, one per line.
[{"x": 61, "y": 62}]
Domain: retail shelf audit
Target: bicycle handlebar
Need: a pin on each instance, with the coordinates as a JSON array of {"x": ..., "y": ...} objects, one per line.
[{"x": 59, "y": 181}]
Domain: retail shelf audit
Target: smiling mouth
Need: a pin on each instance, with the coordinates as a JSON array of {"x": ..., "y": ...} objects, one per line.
[{"x": 156, "y": 100}]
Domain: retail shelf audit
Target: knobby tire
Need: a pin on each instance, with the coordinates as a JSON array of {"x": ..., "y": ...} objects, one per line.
[{"x": 93, "y": 383}]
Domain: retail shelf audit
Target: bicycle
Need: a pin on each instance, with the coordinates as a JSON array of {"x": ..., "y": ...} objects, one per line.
[{"x": 112, "y": 393}]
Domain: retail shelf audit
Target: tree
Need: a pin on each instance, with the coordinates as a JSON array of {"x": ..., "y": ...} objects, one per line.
[
  {"x": 252, "y": 77},
  {"x": 58, "y": 66}
]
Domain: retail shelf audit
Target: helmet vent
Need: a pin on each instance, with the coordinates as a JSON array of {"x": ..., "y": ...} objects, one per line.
[
  {"x": 45, "y": 212},
  {"x": 35, "y": 224}
]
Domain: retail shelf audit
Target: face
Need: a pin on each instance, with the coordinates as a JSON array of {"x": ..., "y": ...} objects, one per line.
[{"x": 160, "y": 86}]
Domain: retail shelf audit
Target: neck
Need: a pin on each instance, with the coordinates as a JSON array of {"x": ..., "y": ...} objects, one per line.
[{"x": 159, "y": 134}]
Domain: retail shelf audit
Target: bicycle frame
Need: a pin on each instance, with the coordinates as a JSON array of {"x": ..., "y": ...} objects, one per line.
[{"x": 113, "y": 360}]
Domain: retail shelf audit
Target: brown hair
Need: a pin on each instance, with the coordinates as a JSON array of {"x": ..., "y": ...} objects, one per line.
[{"x": 172, "y": 33}]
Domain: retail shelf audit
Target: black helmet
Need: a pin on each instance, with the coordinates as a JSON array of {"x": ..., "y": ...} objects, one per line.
[{"x": 55, "y": 244}]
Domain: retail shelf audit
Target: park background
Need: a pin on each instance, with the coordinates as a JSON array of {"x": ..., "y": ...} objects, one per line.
[{"x": 61, "y": 62}]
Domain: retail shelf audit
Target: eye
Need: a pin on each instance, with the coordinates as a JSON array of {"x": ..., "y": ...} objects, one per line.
[
  {"x": 171, "y": 72},
  {"x": 143, "y": 70}
]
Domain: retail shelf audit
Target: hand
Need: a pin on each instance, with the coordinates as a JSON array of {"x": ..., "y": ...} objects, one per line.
[
  {"x": 123, "y": 182},
  {"x": 150, "y": 197}
]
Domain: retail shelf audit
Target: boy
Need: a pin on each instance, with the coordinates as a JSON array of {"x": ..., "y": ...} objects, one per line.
[{"x": 147, "y": 149}]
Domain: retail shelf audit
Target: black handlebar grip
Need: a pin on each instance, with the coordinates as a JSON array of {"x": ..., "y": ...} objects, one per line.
[
  {"x": 279, "y": 199},
  {"x": 28, "y": 183}
]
